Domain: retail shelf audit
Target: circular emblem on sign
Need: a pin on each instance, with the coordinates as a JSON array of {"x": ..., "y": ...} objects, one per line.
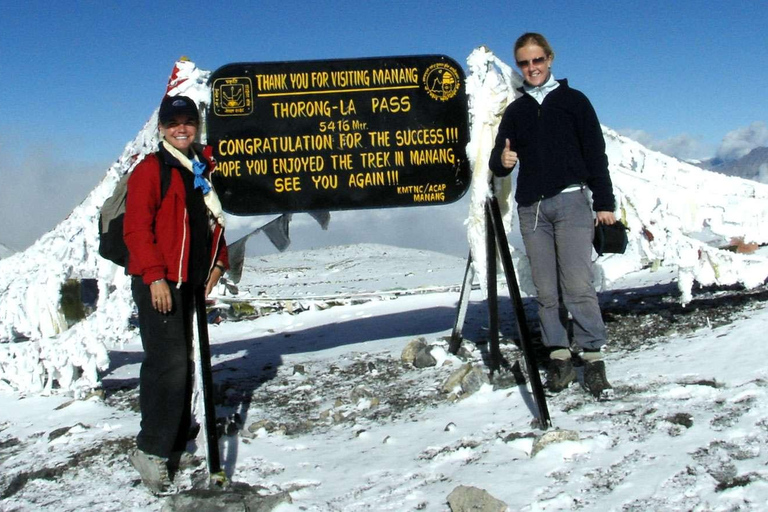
[{"x": 441, "y": 81}]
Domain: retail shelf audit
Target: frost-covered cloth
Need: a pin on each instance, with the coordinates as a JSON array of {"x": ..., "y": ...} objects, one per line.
[
  {"x": 157, "y": 234},
  {"x": 558, "y": 143}
]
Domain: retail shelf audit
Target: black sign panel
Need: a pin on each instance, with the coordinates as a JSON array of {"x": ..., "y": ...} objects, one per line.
[{"x": 339, "y": 134}]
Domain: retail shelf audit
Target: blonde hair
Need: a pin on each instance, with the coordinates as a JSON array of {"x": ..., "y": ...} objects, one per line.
[{"x": 538, "y": 40}]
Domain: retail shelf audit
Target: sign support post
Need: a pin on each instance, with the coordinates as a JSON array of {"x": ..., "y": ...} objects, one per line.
[{"x": 496, "y": 240}]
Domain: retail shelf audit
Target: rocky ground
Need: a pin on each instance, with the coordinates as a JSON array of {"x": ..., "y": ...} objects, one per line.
[{"x": 381, "y": 387}]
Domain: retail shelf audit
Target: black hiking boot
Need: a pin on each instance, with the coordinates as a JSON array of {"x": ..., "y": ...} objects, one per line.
[
  {"x": 560, "y": 374},
  {"x": 595, "y": 380}
]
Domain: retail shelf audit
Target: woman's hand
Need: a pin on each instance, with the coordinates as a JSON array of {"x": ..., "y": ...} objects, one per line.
[
  {"x": 605, "y": 218},
  {"x": 508, "y": 157},
  {"x": 161, "y": 296},
  {"x": 213, "y": 280}
]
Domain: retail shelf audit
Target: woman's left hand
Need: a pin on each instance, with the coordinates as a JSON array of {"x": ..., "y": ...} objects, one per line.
[
  {"x": 605, "y": 218},
  {"x": 213, "y": 280}
]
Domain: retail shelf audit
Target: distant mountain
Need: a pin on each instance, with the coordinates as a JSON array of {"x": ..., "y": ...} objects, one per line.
[
  {"x": 5, "y": 251},
  {"x": 752, "y": 166}
]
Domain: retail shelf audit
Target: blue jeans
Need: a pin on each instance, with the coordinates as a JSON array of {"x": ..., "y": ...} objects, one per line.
[{"x": 557, "y": 233}]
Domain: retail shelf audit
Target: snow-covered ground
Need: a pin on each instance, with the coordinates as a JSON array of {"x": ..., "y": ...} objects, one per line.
[{"x": 345, "y": 425}]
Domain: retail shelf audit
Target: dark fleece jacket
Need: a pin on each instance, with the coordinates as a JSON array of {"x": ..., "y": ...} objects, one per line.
[{"x": 558, "y": 143}]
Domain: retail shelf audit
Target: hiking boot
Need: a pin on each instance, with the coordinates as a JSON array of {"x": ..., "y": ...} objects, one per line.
[
  {"x": 153, "y": 471},
  {"x": 560, "y": 374},
  {"x": 595, "y": 380}
]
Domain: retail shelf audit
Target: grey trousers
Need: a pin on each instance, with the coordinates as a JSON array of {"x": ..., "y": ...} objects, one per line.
[{"x": 557, "y": 233}]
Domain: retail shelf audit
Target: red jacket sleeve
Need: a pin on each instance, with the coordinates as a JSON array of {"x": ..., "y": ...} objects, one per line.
[{"x": 141, "y": 206}]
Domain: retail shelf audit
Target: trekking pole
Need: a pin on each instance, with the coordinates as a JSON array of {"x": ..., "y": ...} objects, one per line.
[{"x": 217, "y": 476}]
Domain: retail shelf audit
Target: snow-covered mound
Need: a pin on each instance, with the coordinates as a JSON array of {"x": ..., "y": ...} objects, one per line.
[
  {"x": 679, "y": 216},
  {"x": 31, "y": 281}
]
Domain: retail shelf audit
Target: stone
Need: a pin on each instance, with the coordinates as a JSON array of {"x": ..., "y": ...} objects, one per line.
[
  {"x": 454, "y": 380},
  {"x": 465, "y": 381},
  {"x": 473, "y": 381},
  {"x": 424, "y": 359},
  {"x": 552, "y": 437},
  {"x": 472, "y": 499},
  {"x": 237, "y": 497},
  {"x": 408, "y": 355}
]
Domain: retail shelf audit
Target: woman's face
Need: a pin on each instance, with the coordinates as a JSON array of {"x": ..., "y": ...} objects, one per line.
[
  {"x": 533, "y": 63},
  {"x": 180, "y": 132}
]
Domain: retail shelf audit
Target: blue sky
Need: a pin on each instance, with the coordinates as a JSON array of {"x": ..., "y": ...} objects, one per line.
[{"x": 81, "y": 78}]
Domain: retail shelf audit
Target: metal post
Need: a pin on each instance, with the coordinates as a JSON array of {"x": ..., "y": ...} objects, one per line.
[
  {"x": 497, "y": 226},
  {"x": 461, "y": 314},
  {"x": 493, "y": 299}
]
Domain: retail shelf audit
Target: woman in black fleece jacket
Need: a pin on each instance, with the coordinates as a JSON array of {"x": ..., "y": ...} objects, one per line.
[{"x": 553, "y": 131}]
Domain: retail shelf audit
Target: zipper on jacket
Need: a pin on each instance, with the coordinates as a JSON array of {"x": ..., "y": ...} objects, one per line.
[{"x": 183, "y": 243}]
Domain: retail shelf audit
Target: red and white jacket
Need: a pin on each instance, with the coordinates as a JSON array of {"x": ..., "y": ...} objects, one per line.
[{"x": 155, "y": 232}]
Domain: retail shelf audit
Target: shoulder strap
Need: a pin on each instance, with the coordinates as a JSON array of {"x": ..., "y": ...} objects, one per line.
[{"x": 165, "y": 175}]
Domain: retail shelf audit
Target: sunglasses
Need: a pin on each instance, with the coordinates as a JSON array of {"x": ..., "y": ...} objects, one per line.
[{"x": 536, "y": 62}]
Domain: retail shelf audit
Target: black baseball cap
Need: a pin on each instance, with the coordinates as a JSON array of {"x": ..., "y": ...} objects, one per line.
[{"x": 173, "y": 106}]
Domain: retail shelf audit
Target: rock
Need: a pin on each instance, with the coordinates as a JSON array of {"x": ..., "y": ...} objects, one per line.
[
  {"x": 681, "y": 418},
  {"x": 552, "y": 437},
  {"x": 514, "y": 436},
  {"x": 267, "y": 425},
  {"x": 473, "y": 381},
  {"x": 454, "y": 380},
  {"x": 465, "y": 381},
  {"x": 472, "y": 499},
  {"x": 424, "y": 359},
  {"x": 56, "y": 433},
  {"x": 238, "y": 497},
  {"x": 410, "y": 351}
]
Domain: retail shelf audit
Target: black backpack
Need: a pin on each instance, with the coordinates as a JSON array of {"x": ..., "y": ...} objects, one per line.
[{"x": 111, "y": 243}]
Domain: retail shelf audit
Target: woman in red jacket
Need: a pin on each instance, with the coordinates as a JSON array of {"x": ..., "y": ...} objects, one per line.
[{"x": 176, "y": 247}]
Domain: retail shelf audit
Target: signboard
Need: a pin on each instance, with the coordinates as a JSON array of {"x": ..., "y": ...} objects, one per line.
[{"x": 339, "y": 134}]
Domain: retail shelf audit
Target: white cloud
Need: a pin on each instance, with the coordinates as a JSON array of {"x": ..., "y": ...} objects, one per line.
[
  {"x": 741, "y": 141},
  {"x": 683, "y": 146},
  {"x": 39, "y": 190}
]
